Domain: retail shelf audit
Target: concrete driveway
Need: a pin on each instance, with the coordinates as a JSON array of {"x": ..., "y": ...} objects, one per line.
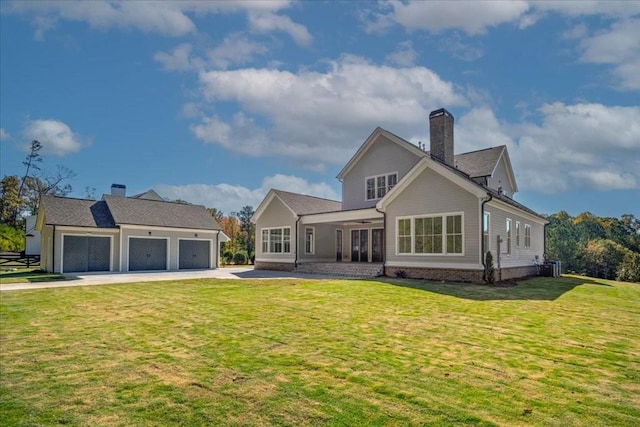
[{"x": 90, "y": 279}]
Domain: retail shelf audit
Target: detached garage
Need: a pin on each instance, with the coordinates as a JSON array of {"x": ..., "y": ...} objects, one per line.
[{"x": 119, "y": 233}]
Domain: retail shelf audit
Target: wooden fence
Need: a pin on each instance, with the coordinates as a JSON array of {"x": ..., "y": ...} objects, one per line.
[{"x": 19, "y": 260}]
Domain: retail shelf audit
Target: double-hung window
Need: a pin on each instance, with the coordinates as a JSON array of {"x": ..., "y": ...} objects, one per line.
[
  {"x": 508, "y": 236},
  {"x": 527, "y": 236},
  {"x": 517, "y": 234},
  {"x": 431, "y": 235},
  {"x": 485, "y": 231},
  {"x": 378, "y": 186},
  {"x": 276, "y": 240}
]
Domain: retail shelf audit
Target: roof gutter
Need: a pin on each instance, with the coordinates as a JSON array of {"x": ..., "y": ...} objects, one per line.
[{"x": 484, "y": 202}]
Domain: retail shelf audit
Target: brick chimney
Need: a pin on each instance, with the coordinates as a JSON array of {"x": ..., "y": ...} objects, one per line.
[
  {"x": 441, "y": 132},
  {"x": 118, "y": 190}
]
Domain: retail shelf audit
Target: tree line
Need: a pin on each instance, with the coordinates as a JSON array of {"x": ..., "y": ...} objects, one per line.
[{"x": 603, "y": 247}]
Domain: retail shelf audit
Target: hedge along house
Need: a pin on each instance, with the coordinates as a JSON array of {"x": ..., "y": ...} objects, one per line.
[
  {"x": 430, "y": 214},
  {"x": 119, "y": 233}
]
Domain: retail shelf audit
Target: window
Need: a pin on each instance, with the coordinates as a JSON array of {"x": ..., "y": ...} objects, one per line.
[
  {"x": 378, "y": 186},
  {"x": 430, "y": 235},
  {"x": 517, "y": 234},
  {"x": 404, "y": 236},
  {"x": 485, "y": 231},
  {"x": 508, "y": 236},
  {"x": 454, "y": 234},
  {"x": 276, "y": 240},
  {"x": 527, "y": 236},
  {"x": 308, "y": 240}
]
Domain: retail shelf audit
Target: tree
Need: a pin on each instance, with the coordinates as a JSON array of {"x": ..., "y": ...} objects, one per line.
[
  {"x": 629, "y": 268},
  {"x": 38, "y": 186},
  {"x": 563, "y": 241},
  {"x": 216, "y": 214},
  {"x": 230, "y": 227},
  {"x": 247, "y": 229},
  {"x": 9, "y": 199},
  {"x": 602, "y": 258},
  {"x": 11, "y": 239},
  {"x": 489, "y": 269}
]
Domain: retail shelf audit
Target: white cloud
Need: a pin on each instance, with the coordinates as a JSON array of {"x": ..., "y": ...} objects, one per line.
[
  {"x": 163, "y": 17},
  {"x": 620, "y": 47},
  {"x": 55, "y": 136},
  {"x": 179, "y": 59},
  {"x": 405, "y": 56},
  {"x": 575, "y": 147},
  {"x": 472, "y": 17},
  {"x": 4, "y": 135},
  {"x": 234, "y": 49},
  {"x": 231, "y": 198},
  {"x": 267, "y": 22},
  {"x": 322, "y": 116}
]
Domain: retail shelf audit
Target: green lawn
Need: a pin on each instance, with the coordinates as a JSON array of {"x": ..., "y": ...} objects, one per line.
[
  {"x": 303, "y": 352},
  {"x": 28, "y": 275}
]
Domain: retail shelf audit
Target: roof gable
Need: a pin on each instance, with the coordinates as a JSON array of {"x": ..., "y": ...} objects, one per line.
[
  {"x": 76, "y": 212},
  {"x": 368, "y": 143},
  {"x": 298, "y": 204},
  {"x": 479, "y": 163}
]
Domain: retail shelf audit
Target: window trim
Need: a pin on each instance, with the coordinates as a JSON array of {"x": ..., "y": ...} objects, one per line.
[
  {"x": 312, "y": 249},
  {"x": 527, "y": 236},
  {"x": 487, "y": 245},
  {"x": 268, "y": 241},
  {"x": 376, "y": 188},
  {"x": 508, "y": 235},
  {"x": 444, "y": 252}
]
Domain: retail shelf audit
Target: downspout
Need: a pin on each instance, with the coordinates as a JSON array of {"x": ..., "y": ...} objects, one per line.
[
  {"x": 53, "y": 251},
  {"x": 484, "y": 265},
  {"x": 384, "y": 241},
  {"x": 295, "y": 260}
]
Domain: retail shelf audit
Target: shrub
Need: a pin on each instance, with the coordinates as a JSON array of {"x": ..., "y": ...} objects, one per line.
[
  {"x": 401, "y": 274},
  {"x": 489, "y": 270},
  {"x": 11, "y": 239},
  {"x": 239, "y": 258},
  {"x": 629, "y": 268},
  {"x": 228, "y": 256}
]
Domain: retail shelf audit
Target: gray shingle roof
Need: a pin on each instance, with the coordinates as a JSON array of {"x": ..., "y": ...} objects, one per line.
[
  {"x": 132, "y": 211},
  {"x": 76, "y": 212},
  {"x": 479, "y": 163},
  {"x": 305, "y": 205}
]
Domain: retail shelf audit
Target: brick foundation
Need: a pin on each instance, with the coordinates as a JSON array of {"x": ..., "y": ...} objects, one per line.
[
  {"x": 278, "y": 266},
  {"x": 459, "y": 275}
]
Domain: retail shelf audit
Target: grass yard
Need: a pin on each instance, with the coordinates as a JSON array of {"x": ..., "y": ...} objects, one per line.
[
  {"x": 342, "y": 352},
  {"x": 28, "y": 275}
]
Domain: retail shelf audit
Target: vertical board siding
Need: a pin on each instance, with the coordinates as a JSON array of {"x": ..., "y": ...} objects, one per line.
[
  {"x": 430, "y": 194},
  {"x": 384, "y": 156}
]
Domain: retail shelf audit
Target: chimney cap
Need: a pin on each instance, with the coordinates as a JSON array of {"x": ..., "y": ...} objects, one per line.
[
  {"x": 118, "y": 186},
  {"x": 440, "y": 112}
]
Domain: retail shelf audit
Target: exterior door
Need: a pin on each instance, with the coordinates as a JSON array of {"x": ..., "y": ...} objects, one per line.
[
  {"x": 339, "y": 245},
  {"x": 377, "y": 245},
  {"x": 84, "y": 253},
  {"x": 147, "y": 254},
  {"x": 194, "y": 254},
  {"x": 359, "y": 245}
]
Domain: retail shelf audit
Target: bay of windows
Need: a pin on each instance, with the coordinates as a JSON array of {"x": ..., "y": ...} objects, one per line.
[
  {"x": 276, "y": 240},
  {"x": 431, "y": 235},
  {"x": 378, "y": 186}
]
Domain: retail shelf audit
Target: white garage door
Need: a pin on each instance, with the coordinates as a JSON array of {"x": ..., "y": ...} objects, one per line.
[
  {"x": 84, "y": 253},
  {"x": 194, "y": 254},
  {"x": 147, "y": 254}
]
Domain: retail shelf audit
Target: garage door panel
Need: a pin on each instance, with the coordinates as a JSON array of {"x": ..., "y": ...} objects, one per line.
[
  {"x": 86, "y": 253},
  {"x": 147, "y": 254},
  {"x": 194, "y": 254}
]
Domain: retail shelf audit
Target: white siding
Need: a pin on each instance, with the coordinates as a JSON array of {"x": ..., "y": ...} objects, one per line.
[
  {"x": 520, "y": 256},
  {"x": 501, "y": 178},
  {"x": 431, "y": 193},
  {"x": 383, "y": 157}
]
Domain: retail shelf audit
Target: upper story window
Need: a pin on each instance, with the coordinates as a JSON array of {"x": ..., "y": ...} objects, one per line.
[{"x": 378, "y": 186}]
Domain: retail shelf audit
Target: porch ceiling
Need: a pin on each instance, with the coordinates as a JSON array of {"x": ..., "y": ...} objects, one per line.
[{"x": 358, "y": 216}]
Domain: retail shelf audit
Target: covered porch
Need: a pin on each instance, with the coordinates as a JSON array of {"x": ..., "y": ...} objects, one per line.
[{"x": 342, "y": 241}]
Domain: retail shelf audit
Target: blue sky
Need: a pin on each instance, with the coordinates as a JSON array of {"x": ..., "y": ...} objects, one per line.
[{"x": 217, "y": 102}]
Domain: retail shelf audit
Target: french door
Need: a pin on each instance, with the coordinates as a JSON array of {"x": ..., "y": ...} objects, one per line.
[{"x": 360, "y": 245}]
